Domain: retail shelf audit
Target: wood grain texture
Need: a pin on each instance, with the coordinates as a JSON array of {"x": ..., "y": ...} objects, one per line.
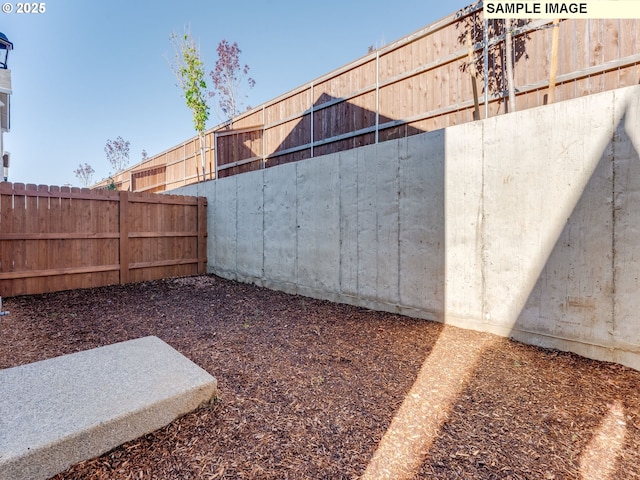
[
  {"x": 419, "y": 83},
  {"x": 55, "y": 238}
]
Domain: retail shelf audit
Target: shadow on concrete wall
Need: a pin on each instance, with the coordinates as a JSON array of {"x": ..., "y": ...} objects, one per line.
[
  {"x": 588, "y": 299},
  {"x": 333, "y": 117},
  {"x": 453, "y": 371}
]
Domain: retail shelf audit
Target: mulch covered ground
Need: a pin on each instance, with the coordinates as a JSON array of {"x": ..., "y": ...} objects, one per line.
[{"x": 309, "y": 389}]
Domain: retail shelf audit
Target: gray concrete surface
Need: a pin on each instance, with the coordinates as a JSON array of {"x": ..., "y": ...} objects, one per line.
[
  {"x": 523, "y": 225},
  {"x": 60, "y": 411}
]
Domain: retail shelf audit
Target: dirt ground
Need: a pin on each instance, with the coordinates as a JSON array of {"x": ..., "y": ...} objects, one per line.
[{"x": 315, "y": 390}]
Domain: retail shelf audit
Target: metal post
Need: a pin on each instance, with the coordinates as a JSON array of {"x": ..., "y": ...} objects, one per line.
[
  {"x": 485, "y": 54},
  {"x": 215, "y": 153},
  {"x": 311, "y": 86},
  {"x": 264, "y": 145},
  {"x": 377, "y": 94}
]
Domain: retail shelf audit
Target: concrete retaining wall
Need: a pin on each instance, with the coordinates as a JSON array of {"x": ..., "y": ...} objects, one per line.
[{"x": 526, "y": 225}]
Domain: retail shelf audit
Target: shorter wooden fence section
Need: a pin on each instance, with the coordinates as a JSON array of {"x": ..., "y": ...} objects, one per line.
[{"x": 61, "y": 238}]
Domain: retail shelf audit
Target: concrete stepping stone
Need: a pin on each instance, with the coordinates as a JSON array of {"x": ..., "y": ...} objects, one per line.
[{"x": 60, "y": 411}]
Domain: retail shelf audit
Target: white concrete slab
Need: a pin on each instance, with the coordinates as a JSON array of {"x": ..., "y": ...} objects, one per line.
[
  {"x": 60, "y": 411},
  {"x": 250, "y": 225},
  {"x": 225, "y": 218},
  {"x": 421, "y": 178},
  {"x": 280, "y": 224},
  {"x": 318, "y": 222}
]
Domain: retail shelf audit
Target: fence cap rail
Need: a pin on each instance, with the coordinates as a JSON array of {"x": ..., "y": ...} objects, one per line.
[{"x": 32, "y": 190}]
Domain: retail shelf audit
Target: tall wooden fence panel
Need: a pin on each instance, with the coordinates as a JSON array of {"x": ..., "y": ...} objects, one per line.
[
  {"x": 60, "y": 238},
  {"x": 450, "y": 72}
]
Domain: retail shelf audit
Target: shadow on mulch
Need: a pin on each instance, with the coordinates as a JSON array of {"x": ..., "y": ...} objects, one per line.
[{"x": 309, "y": 388}]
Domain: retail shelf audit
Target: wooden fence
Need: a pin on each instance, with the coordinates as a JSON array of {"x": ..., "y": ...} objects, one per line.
[
  {"x": 448, "y": 73},
  {"x": 54, "y": 238}
]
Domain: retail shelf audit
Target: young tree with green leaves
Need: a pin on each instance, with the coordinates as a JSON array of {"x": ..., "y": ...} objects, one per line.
[{"x": 189, "y": 71}]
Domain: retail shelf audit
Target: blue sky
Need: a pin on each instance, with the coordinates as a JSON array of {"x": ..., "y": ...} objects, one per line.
[{"x": 85, "y": 72}]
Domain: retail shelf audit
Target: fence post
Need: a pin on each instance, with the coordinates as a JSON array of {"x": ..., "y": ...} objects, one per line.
[
  {"x": 264, "y": 147},
  {"x": 485, "y": 65},
  {"x": 202, "y": 235},
  {"x": 553, "y": 68},
  {"x": 124, "y": 237},
  {"x": 215, "y": 154},
  {"x": 508, "y": 49},
  {"x": 311, "y": 118},
  {"x": 377, "y": 135}
]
